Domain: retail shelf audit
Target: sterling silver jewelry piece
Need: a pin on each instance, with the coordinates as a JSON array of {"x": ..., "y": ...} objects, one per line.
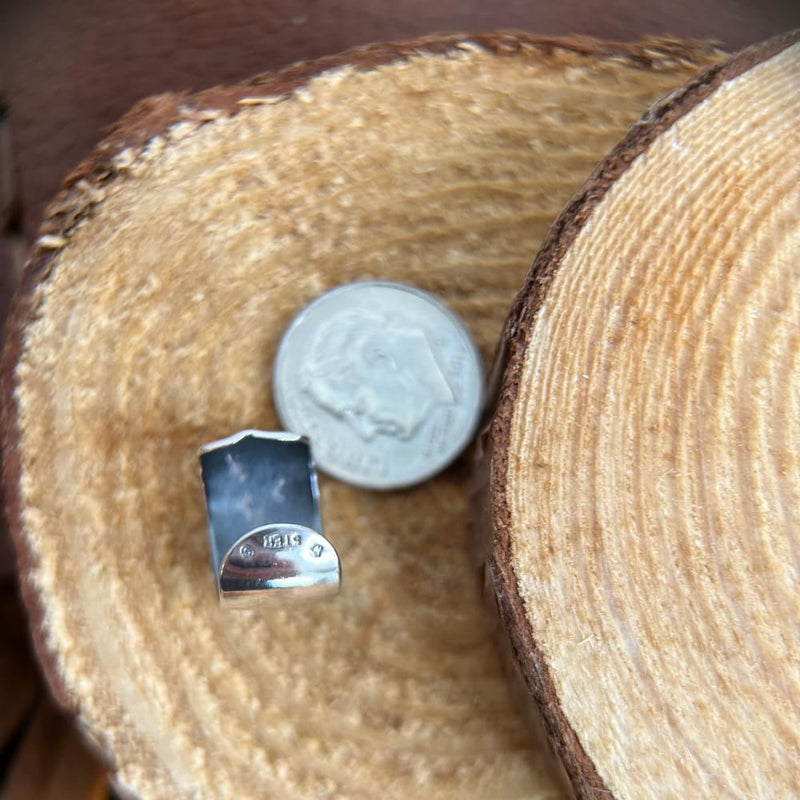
[{"x": 263, "y": 518}]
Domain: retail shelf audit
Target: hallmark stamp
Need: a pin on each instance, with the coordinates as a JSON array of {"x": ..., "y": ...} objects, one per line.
[{"x": 281, "y": 541}]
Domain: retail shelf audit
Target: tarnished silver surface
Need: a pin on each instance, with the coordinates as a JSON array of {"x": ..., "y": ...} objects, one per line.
[
  {"x": 383, "y": 379},
  {"x": 264, "y": 525}
]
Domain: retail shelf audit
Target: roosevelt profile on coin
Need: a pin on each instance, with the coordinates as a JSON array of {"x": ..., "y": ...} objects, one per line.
[
  {"x": 379, "y": 375},
  {"x": 384, "y": 381}
]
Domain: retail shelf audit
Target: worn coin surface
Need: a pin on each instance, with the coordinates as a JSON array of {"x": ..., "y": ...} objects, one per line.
[{"x": 383, "y": 379}]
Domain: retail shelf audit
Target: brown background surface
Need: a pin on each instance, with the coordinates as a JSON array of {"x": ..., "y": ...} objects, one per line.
[{"x": 71, "y": 68}]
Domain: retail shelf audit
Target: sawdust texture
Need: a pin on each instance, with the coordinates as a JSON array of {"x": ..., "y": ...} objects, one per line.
[
  {"x": 154, "y": 330},
  {"x": 652, "y": 473}
]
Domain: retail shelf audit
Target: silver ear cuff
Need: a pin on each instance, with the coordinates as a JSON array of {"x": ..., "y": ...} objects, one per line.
[{"x": 264, "y": 523}]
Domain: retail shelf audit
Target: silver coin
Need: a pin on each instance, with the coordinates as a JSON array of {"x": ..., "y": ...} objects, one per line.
[{"x": 383, "y": 379}]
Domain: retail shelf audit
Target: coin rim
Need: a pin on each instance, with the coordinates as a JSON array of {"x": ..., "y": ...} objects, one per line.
[{"x": 278, "y": 392}]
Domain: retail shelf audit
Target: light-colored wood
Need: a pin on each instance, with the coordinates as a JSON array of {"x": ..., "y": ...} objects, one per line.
[
  {"x": 173, "y": 269},
  {"x": 647, "y": 488}
]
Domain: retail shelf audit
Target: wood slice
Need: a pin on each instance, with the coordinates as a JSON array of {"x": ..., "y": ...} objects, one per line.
[
  {"x": 152, "y": 308},
  {"x": 645, "y": 490}
]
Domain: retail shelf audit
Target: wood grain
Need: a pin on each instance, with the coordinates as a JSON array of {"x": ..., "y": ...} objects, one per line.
[
  {"x": 101, "y": 58},
  {"x": 643, "y": 477},
  {"x": 164, "y": 276}
]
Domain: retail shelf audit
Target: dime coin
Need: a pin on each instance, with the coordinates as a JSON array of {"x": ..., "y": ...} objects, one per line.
[{"x": 383, "y": 379}]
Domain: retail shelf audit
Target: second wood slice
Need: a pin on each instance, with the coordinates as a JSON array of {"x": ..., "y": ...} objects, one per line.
[
  {"x": 153, "y": 306},
  {"x": 645, "y": 494}
]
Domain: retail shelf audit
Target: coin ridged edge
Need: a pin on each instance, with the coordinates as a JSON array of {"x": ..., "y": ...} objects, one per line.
[{"x": 466, "y": 434}]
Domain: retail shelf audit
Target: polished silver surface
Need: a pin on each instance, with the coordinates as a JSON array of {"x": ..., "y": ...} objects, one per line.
[
  {"x": 383, "y": 379},
  {"x": 264, "y": 525}
]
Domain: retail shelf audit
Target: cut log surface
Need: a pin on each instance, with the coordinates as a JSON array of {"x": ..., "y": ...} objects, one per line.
[
  {"x": 164, "y": 277},
  {"x": 645, "y": 488}
]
